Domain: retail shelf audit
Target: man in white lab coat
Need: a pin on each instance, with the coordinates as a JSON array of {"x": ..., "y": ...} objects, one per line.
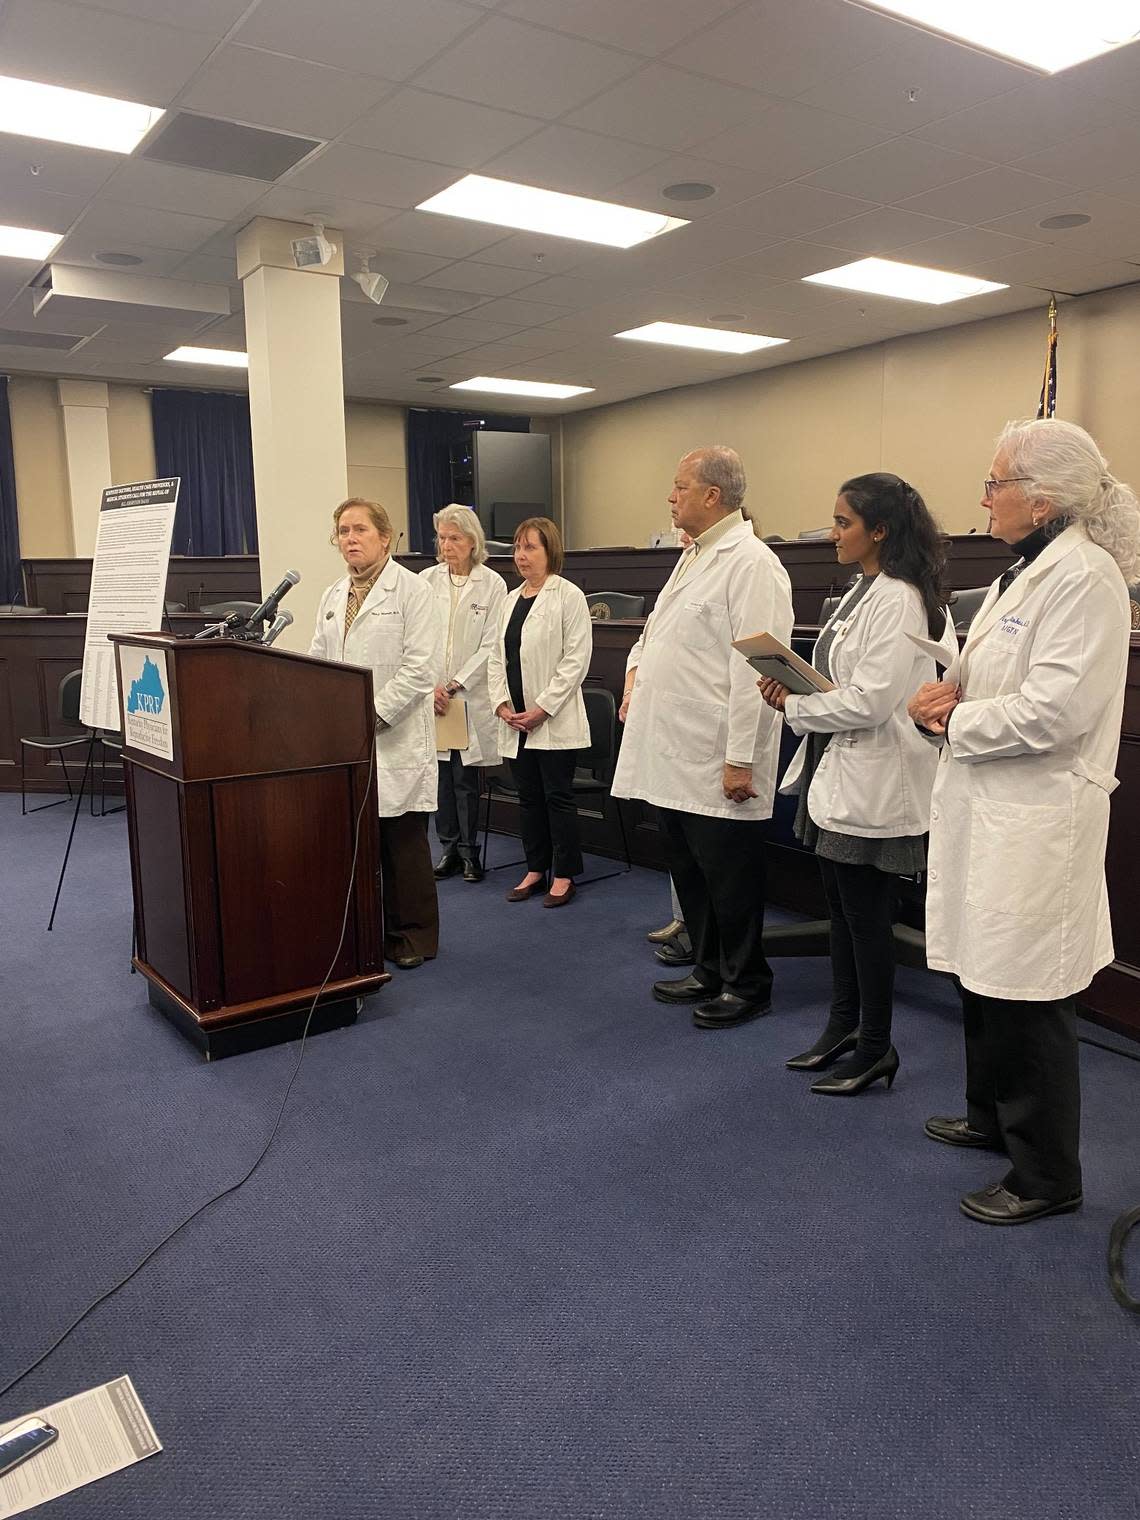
[{"x": 700, "y": 743}]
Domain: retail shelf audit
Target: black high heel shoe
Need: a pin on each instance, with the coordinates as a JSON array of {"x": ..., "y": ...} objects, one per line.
[
  {"x": 850, "y": 1087},
  {"x": 816, "y": 1060}
]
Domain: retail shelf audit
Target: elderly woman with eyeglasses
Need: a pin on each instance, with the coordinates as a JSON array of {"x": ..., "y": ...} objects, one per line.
[
  {"x": 468, "y": 596},
  {"x": 1029, "y": 723}
]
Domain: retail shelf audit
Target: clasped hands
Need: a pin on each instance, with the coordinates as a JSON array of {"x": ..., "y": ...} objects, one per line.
[
  {"x": 932, "y": 704},
  {"x": 525, "y": 722}
]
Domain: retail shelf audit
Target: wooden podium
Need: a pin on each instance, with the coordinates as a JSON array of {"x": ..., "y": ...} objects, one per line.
[{"x": 242, "y": 838}]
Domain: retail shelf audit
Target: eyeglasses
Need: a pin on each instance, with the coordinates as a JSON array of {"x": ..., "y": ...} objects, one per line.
[{"x": 990, "y": 486}]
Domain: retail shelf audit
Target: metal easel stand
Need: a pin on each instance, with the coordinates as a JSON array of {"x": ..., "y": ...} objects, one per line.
[{"x": 92, "y": 742}]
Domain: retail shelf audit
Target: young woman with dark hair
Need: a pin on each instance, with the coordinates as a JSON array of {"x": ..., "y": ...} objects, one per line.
[{"x": 864, "y": 773}]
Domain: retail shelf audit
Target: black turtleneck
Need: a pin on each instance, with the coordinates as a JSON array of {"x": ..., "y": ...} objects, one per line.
[{"x": 1029, "y": 548}]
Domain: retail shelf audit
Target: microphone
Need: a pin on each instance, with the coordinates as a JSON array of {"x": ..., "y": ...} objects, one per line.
[
  {"x": 269, "y": 606},
  {"x": 277, "y": 627}
]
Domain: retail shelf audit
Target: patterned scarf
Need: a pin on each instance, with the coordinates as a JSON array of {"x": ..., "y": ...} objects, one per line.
[{"x": 357, "y": 596}]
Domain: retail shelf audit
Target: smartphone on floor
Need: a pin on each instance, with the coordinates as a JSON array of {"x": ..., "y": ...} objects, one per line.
[{"x": 25, "y": 1440}]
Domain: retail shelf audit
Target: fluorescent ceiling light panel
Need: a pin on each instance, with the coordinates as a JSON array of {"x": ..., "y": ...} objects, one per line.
[
  {"x": 230, "y": 357},
  {"x": 903, "y": 282},
  {"x": 540, "y": 388},
  {"x": 530, "y": 209},
  {"x": 26, "y": 243},
  {"x": 716, "y": 339},
  {"x": 54, "y": 114},
  {"x": 1049, "y": 36}
]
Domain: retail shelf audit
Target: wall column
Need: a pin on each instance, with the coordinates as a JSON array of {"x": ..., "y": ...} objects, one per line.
[
  {"x": 296, "y": 410},
  {"x": 84, "y": 405}
]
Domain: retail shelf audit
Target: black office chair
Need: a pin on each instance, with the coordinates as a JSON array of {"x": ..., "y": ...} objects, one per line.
[
  {"x": 594, "y": 773},
  {"x": 964, "y": 606},
  {"x": 614, "y": 604},
  {"x": 67, "y": 708},
  {"x": 223, "y": 609}
]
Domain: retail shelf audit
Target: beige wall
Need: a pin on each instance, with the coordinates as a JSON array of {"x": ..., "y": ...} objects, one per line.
[
  {"x": 40, "y": 452},
  {"x": 926, "y": 406},
  {"x": 374, "y": 438}
]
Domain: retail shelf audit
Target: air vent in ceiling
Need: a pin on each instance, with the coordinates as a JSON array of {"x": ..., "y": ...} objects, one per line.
[
  {"x": 204, "y": 142},
  {"x": 11, "y": 337}
]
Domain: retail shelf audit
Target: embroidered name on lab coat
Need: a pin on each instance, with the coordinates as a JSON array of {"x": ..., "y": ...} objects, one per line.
[{"x": 1012, "y": 625}]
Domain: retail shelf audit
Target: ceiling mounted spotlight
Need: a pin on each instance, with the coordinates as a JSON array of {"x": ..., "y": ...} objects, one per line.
[
  {"x": 110, "y": 257},
  {"x": 1065, "y": 219},
  {"x": 317, "y": 249},
  {"x": 429, "y": 379},
  {"x": 390, "y": 321},
  {"x": 374, "y": 286}
]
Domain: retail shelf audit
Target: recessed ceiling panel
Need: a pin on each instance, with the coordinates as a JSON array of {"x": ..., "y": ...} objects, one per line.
[{"x": 206, "y": 142}]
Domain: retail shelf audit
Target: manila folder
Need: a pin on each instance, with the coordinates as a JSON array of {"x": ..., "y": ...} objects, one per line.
[
  {"x": 451, "y": 729},
  {"x": 770, "y": 658}
]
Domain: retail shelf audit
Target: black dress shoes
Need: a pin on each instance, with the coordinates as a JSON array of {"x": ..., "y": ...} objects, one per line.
[
  {"x": 448, "y": 864},
  {"x": 687, "y": 990},
  {"x": 727, "y": 1009},
  {"x": 839, "y": 1086},
  {"x": 677, "y": 951},
  {"x": 958, "y": 1132},
  {"x": 997, "y": 1205},
  {"x": 662, "y": 936},
  {"x": 816, "y": 1060},
  {"x": 472, "y": 871}
]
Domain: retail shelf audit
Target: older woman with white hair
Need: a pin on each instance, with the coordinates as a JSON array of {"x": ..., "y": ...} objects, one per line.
[
  {"x": 467, "y": 598},
  {"x": 1029, "y": 723}
]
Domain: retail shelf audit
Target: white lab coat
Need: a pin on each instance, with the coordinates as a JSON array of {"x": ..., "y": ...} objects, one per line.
[
  {"x": 554, "y": 652},
  {"x": 393, "y": 635},
  {"x": 876, "y": 774},
  {"x": 1016, "y": 902},
  {"x": 473, "y": 637},
  {"x": 695, "y": 704}
]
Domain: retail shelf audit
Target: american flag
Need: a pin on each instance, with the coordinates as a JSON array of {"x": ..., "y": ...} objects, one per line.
[{"x": 1047, "y": 406}]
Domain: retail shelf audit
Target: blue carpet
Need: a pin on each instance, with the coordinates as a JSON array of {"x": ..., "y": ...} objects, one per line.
[{"x": 530, "y": 1244}]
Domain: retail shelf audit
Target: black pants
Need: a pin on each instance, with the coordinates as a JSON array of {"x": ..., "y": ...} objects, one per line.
[
  {"x": 717, "y": 866},
  {"x": 1023, "y": 1087},
  {"x": 457, "y": 817},
  {"x": 861, "y": 900},
  {"x": 548, "y": 819},
  {"x": 411, "y": 908}
]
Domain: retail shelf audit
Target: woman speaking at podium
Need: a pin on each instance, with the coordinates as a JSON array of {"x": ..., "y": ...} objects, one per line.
[{"x": 381, "y": 616}]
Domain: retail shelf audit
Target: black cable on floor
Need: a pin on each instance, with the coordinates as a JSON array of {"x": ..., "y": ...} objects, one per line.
[{"x": 234, "y": 1186}]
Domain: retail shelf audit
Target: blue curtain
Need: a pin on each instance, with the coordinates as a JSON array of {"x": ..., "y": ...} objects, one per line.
[
  {"x": 204, "y": 437},
  {"x": 11, "y": 583},
  {"x": 431, "y": 438}
]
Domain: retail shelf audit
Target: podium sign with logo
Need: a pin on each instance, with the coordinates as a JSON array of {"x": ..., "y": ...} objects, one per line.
[{"x": 146, "y": 701}]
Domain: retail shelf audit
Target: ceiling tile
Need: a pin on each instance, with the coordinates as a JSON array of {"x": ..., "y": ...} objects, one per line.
[
  {"x": 897, "y": 169},
  {"x": 786, "y": 49},
  {"x": 168, "y": 187},
  {"x": 447, "y": 236},
  {"x": 271, "y": 90},
  {"x": 435, "y": 127},
  {"x": 40, "y": 209},
  {"x": 541, "y": 73},
  {"x": 520, "y": 313},
  {"x": 388, "y": 38},
  {"x": 568, "y": 290},
  {"x": 667, "y": 108},
  {"x": 641, "y": 26},
  {"x": 965, "y": 249},
  {"x": 212, "y": 16},
  {"x": 82, "y": 246},
  {"x": 86, "y": 49},
  {"x": 789, "y": 211},
  {"x": 1113, "y": 233},
  {"x": 60, "y": 169},
  {"x": 108, "y": 224},
  {"x": 363, "y": 174},
  {"x": 982, "y": 197},
  {"x": 1024, "y": 120},
  {"x": 535, "y": 253},
  {"x": 473, "y": 329},
  {"x": 942, "y": 76},
  {"x": 1094, "y": 158},
  {"x": 573, "y": 161},
  {"x": 789, "y": 139},
  {"x": 1055, "y": 269},
  {"x": 731, "y": 186},
  {"x": 482, "y": 279},
  {"x": 882, "y": 231},
  {"x": 405, "y": 268},
  {"x": 360, "y": 221},
  {"x": 784, "y": 261}
]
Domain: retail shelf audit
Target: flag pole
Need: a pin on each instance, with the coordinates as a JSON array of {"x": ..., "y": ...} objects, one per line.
[{"x": 1047, "y": 406}]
